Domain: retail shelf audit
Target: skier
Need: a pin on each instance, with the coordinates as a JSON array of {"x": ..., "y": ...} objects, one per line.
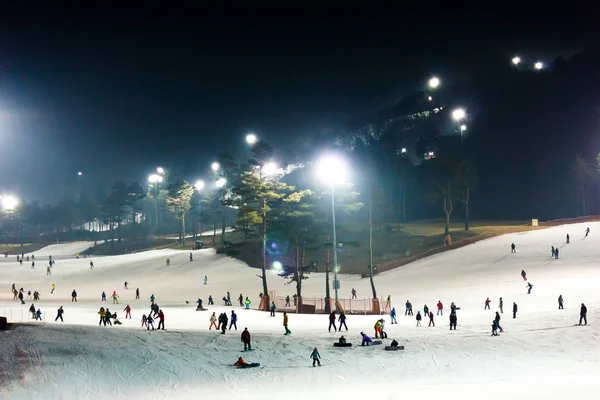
[
  {"x": 440, "y": 308},
  {"x": 365, "y": 339},
  {"x": 233, "y": 320},
  {"x": 497, "y": 321},
  {"x": 487, "y": 304},
  {"x": 32, "y": 311},
  {"x": 213, "y": 322},
  {"x": 210, "y": 300},
  {"x": 393, "y": 316},
  {"x": 315, "y": 357},
  {"x": 556, "y": 253},
  {"x": 529, "y": 286},
  {"x": 149, "y": 322},
  {"x": 431, "y": 318},
  {"x": 21, "y": 296},
  {"x": 552, "y": 249},
  {"x": 501, "y": 305},
  {"x": 408, "y": 309},
  {"x": 560, "y": 302},
  {"x": 102, "y": 313},
  {"x": 523, "y": 275},
  {"x": 127, "y": 311},
  {"x": 137, "y": 293},
  {"x": 73, "y": 296},
  {"x": 425, "y": 310},
  {"x": 161, "y": 317},
  {"x": 273, "y": 308},
  {"x": 126, "y": 285},
  {"x": 115, "y": 297},
  {"x": 418, "y": 317},
  {"x": 332, "y": 318},
  {"x": 587, "y": 231},
  {"x": 342, "y": 320},
  {"x": 513, "y": 248},
  {"x": 191, "y": 258},
  {"x": 224, "y": 323},
  {"x": 515, "y": 309},
  {"x": 453, "y": 319},
  {"x": 248, "y": 302},
  {"x": 583, "y": 313},
  {"x": 144, "y": 320},
  {"x": 48, "y": 271},
  {"x": 287, "y": 301},
  {"x": 59, "y": 314},
  {"x": 246, "y": 339},
  {"x": 354, "y": 293},
  {"x": 103, "y": 295},
  {"x": 205, "y": 279},
  {"x": 91, "y": 265},
  {"x": 107, "y": 317},
  {"x": 568, "y": 239},
  {"x": 285, "y": 324},
  {"x": 241, "y": 300}
]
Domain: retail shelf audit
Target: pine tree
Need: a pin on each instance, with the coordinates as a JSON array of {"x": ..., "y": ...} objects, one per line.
[{"x": 178, "y": 202}]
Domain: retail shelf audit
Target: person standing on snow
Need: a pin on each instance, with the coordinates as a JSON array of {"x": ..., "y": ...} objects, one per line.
[
  {"x": 59, "y": 314},
  {"x": 224, "y": 323},
  {"x": 418, "y": 317},
  {"x": 152, "y": 298},
  {"x": 273, "y": 308},
  {"x": 233, "y": 320},
  {"x": 529, "y": 286},
  {"x": 408, "y": 308},
  {"x": 53, "y": 289},
  {"x": 126, "y": 285},
  {"x": 248, "y": 302},
  {"x": 315, "y": 357},
  {"x": 137, "y": 293},
  {"x": 501, "y": 305},
  {"x": 102, "y": 313},
  {"x": 149, "y": 322},
  {"x": 161, "y": 317},
  {"x": 568, "y": 239},
  {"x": 332, "y": 318},
  {"x": 287, "y": 301},
  {"x": 48, "y": 271},
  {"x": 38, "y": 314},
  {"x": 494, "y": 328},
  {"x": 431, "y": 318},
  {"x": 191, "y": 257},
  {"x": 523, "y": 275},
  {"x": 497, "y": 321},
  {"x": 107, "y": 316},
  {"x": 587, "y": 231},
  {"x": 103, "y": 295},
  {"x": 487, "y": 304},
  {"x": 91, "y": 265},
  {"x": 144, "y": 320},
  {"x": 241, "y": 300},
  {"x": 560, "y": 302},
  {"x": 342, "y": 320},
  {"x": 425, "y": 310},
  {"x": 127, "y": 311},
  {"x": 115, "y": 297},
  {"x": 210, "y": 300},
  {"x": 515, "y": 309},
  {"x": 285, "y": 324},
  {"x": 246, "y": 339},
  {"x": 513, "y": 248},
  {"x": 21, "y": 296},
  {"x": 556, "y": 253},
  {"x": 552, "y": 250},
  {"x": 32, "y": 311},
  {"x": 583, "y": 313},
  {"x": 205, "y": 279},
  {"x": 354, "y": 293},
  {"x": 440, "y": 308},
  {"x": 453, "y": 319},
  {"x": 213, "y": 322},
  {"x": 73, "y": 296},
  {"x": 393, "y": 316}
]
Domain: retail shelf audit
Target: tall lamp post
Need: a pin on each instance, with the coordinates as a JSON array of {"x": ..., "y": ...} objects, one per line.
[
  {"x": 199, "y": 185},
  {"x": 458, "y": 115},
  {"x": 155, "y": 179},
  {"x": 79, "y": 173},
  {"x": 332, "y": 170}
]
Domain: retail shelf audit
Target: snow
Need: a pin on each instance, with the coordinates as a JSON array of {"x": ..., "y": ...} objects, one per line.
[
  {"x": 542, "y": 354},
  {"x": 62, "y": 249}
]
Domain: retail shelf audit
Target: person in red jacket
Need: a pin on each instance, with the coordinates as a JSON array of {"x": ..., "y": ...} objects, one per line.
[
  {"x": 161, "y": 317},
  {"x": 487, "y": 304},
  {"x": 246, "y": 339},
  {"x": 431, "y": 318},
  {"x": 440, "y": 307},
  {"x": 127, "y": 311}
]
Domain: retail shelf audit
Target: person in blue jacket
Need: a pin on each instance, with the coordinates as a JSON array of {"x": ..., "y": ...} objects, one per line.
[
  {"x": 233, "y": 320},
  {"x": 366, "y": 339},
  {"x": 315, "y": 356},
  {"x": 393, "y": 316}
]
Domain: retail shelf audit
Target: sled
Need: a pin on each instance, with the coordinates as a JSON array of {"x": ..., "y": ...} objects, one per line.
[
  {"x": 374, "y": 343},
  {"x": 248, "y": 350},
  {"x": 394, "y": 348},
  {"x": 250, "y": 365},
  {"x": 337, "y": 344}
]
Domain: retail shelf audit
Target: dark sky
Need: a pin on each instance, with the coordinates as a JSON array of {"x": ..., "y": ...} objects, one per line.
[{"x": 117, "y": 93}]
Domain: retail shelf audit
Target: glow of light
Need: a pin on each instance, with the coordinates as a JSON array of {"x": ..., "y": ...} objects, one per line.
[
  {"x": 434, "y": 82},
  {"x": 79, "y": 173},
  {"x": 9, "y": 202},
  {"x": 277, "y": 265},
  {"x": 215, "y": 166},
  {"x": 431, "y": 153},
  {"x": 539, "y": 65},
  {"x": 463, "y": 128},
  {"x": 221, "y": 182},
  {"x": 251, "y": 138},
  {"x": 269, "y": 168},
  {"x": 516, "y": 60},
  {"x": 199, "y": 185},
  {"x": 403, "y": 150},
  {"x": 458, "y": 114},
  {"x": 332, "y": 170},
  {"x": 429, "y": 98},
  {"x": 160, "y": 170},
  {"x": 154, "y": 178}
]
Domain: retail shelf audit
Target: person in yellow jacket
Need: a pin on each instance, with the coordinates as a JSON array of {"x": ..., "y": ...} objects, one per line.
[
  {"x": 53, "y": 288},
  {"x": 102, "y": 313},
  {"x": 377, "y": 329},
  {"x": 285, "y": 324}
]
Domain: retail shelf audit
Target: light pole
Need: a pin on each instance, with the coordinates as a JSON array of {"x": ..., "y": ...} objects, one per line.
[
  {"x": 199, "y": 185},
  {"x": 332, "y": 170},
  {"x": 458, "y": 115},
  {"x": 79, "y": 173},
  {"x": 155, "y": 179}
]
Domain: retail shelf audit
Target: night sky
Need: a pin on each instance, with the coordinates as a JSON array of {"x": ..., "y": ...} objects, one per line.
[{"x": 115, "y": 94}]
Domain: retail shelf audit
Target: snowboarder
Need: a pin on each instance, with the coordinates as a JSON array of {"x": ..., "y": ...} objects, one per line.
[
  {"x": 103, "y": 295},
  {"x": 332, "y": 318},
  {"x": 354, "y": 293},
  {"x": 102, "y": 313},
  {"x": 149, "y": 322},
  {"x": 342, "y": 320},
  {"x": 418, "y": 317},
  {"x": 568, "y": 239},
  {"x": 59, "y": 314},
  {"x": 377, "y": 328},
  {"x": 342, "y": 340},
  {"x": 115, "y": 297},
  {"x": 127, "y": 311},
  {"x": 494, "y": 328},
  {"x": 247, "y": 302},
  {"x": 556, "y": 253},
  {"x": 91, "y": 265},
  {"x": 440, "y": 308},
  {"x": 583, "y": 313},
  {"x": 366, "y": 339},
  {"x": 487, "y": 304},
  {"x": 205, "y": 279},
  {"x": 210, "y": 300},
  {"x": 285, "y": 324},
  {"x": 587, "y": 231},
  {"x": 287, "y": 301},
  {"x": 315, "y": 357},
  {"x": 529, "y": 286},
  {"x": 513, "y": 248},
  {"x": 246, "y": 339},
  {"x": 73, "y": 296},
  {"x": 408, "y": 310},
  {"x": 453, "y": 319},
  {"x": 431, "y": 318},
  {"x": 393, "y": 316},
  {"x": 560, "y": 302},
  {"x": 137, "y": 293},
  {"x": 241, "y": 300},
  {"x": 191, "y": 258},
  {"x": 161, "y": 317},
  {"x": 515, "y": 309},
  {"x": 425, "y": 310},
  {"x": 233, "y": 320},
  {"x": 241, "y": 363},
  {"x": 116, "y": 319},
  {"x": 497, "y": 321},
  {"x": 213, "y": 322},
  {"x": 552, "y": 249},
  {"x": 501, "y": 305},
  {"x": 21, "y": 296},
  {"x": 126, "y": 285},
  {"x": 523, "y": 275}
]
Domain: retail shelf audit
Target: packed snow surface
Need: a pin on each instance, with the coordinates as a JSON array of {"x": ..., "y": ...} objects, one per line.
[
  {"x": 60, "y": 250},
  {"x": 541, "y": 354}
]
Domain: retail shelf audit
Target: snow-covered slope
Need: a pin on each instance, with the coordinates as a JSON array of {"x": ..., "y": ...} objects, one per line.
[
  {"x": 62, "y": 249},
  {"x": 542, "y": 354}
]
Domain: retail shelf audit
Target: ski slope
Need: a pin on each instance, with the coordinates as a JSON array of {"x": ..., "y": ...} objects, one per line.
[
  {"x": 542, "y": 354},
  {"x": 61, "y": 250}
]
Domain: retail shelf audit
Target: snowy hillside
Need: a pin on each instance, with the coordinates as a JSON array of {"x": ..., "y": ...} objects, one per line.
[
  {"x": 62, "y": 249},
  {"x": 541, "y": 354}
]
